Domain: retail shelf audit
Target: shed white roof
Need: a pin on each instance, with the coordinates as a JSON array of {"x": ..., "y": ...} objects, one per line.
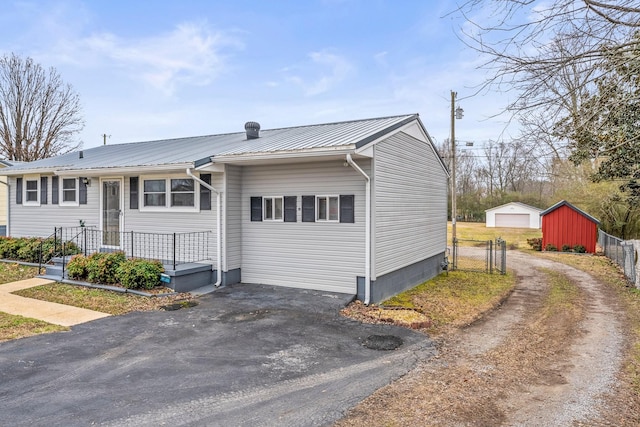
[{"x": 521, "y": 205}]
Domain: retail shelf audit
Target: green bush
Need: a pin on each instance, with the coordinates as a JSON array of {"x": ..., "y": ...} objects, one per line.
[
  {"x": 535, "y": 243},
  {"x": 566, "y": 248},
  {"x": 579, "y": 249},
  {"x": 551, "y": 247},
  {"x": 11, "y": 247},
  {"x": 102, "y": 266},
  {"x": 27, "y": 249},
  {"x": 140, "y": 273},
  {"x": 77, "y": 267}
]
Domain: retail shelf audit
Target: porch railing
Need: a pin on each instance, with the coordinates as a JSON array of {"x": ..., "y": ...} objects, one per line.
[{"x": 171, "y": 249}]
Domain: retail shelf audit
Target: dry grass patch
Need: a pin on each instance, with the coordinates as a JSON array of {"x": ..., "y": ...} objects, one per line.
[
  {"x": 14, "y": 327},
  {"x": 516, "y": 238},
  {"x": 13, "y": 272},
  {"x": 444, "y": 302},
  {"x": 99, "y": 299}
]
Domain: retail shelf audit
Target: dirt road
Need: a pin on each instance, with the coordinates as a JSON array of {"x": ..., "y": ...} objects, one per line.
[{"x": 523, "y": 365}]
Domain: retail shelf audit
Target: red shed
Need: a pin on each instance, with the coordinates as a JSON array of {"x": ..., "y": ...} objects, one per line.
[{"x": 564, "y": 224}]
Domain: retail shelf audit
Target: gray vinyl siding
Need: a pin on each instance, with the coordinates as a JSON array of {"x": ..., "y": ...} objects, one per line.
[
  {"x": 233, "y": 226},
  {"x": 312, "y": 255},
  {"x": 410, "y": 203},
  {"x": 174, "y": 222},
  {"x": 39, "y": 221}
]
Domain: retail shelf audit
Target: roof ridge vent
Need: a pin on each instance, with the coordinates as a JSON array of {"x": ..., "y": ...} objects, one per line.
[{"x": 253, "y": 130}]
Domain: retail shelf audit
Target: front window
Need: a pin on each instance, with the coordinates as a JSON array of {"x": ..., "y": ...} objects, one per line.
[
  {"x": 327, "y": 208},
  {"x": 69, "y": 190},
  {"x": 272, "y": 209},
  {"x": 155, "y": 192},
  {"x": 177, "y": 193},
  {"x": 183, "y": 192},
  {"x": 31, "y": 191}
]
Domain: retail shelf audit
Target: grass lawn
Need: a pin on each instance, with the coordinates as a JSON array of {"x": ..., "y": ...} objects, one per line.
[
  {"x": 11, "y": 326},
  {"x": 516, "y": 238},
  {"x": 443, "y": 303},
  {"x": 98, "y": 299}
]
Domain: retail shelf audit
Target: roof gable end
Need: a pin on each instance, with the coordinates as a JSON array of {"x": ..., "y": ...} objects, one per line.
[{"x": 570, "y": 206}]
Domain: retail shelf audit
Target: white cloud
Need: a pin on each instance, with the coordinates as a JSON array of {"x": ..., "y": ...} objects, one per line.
[
  {"x": 332, "y": 70},
  {"x": 190, "y": 54}
]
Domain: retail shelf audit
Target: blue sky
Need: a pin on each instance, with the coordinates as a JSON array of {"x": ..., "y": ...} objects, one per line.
[{"x": 162, "y": 69}]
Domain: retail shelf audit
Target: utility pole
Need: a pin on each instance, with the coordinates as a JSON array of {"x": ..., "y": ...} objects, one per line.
[
  {"x": 453, "y": 168},
  {"x": 456, "y": 113}
]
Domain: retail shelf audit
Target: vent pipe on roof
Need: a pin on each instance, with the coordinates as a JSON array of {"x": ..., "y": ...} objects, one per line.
[
  {"x": 81, "y": 154},
  {"x": 253, "y": 130}
]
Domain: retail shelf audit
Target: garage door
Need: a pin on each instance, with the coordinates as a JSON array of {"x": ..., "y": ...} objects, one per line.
[{"x": 512, "y": 220}]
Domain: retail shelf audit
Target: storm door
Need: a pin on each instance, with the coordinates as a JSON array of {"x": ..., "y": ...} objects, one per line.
[{"x": 111, "y": 212}]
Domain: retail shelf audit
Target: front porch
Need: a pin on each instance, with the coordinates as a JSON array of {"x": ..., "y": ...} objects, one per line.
[{"x": 187, "y": 257}]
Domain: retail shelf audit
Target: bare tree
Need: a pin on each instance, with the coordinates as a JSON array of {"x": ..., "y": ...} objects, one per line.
[
  {"x": 547, "y": 53},
  {"x": 39, "y": 113}
]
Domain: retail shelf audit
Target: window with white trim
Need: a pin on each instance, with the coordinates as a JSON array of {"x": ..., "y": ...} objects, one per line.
[
  {"x": 154, "y": 192},
  {"x": 327, "y": 208},
  {"x": 69, "y": 191},
  {"x": 175, "y": 193},
  {"x": 183, "y": 192},
  {"x": 31, "y": 190},
  {"x": 272, "y": 208}
]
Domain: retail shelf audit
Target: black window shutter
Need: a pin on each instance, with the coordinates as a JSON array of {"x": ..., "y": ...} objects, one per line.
[
  {"x": 133, "y": 192},
  {"x": 205, "y": 193},
  {"x": 54, "y": 190},
  {"x": 18, "y": 191},
  {"x": 83, "y": 191},
  {"x": 346, "y": 208},
  {"x": 308, "y": 208},
  {"x": 256, "y": 209},
  {"x": 43, "y": 189},
  {"x": 290, "y": 208}
]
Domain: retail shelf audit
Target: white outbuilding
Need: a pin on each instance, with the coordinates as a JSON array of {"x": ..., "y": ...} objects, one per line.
[{"x": 514, "y": 214}]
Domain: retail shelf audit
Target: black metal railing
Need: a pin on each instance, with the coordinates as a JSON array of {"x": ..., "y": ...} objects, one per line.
[{"x": 171, "y": 249}]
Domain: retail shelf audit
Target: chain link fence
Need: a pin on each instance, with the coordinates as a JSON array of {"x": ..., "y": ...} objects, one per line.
[
  {"x": 484, "y": 256},
  {"x": 622, "y": 252}
]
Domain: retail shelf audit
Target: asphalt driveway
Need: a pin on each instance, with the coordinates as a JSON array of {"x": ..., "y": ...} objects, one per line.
[{"x": 246, "y": 355}]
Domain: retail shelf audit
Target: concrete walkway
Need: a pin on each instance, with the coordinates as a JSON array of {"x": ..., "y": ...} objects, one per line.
[{"x": 58, "y": 314}]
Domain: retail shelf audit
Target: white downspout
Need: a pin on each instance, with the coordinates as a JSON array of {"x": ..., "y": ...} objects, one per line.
[
  {"x": 218, "y": 225},
  {"x": 367, "y": 237},
  {"x": 8, "y": 205}
]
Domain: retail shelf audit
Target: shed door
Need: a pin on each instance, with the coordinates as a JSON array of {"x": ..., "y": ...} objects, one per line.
[{"x": 512, "y": 220}]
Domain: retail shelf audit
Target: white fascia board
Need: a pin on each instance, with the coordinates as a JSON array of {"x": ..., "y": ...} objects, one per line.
[
  {"x": 211, "y": 167},
  {"x": 19, "y": 172},
  {"x": 128, "y": 170},
  {"x": 276, "y": 155}
]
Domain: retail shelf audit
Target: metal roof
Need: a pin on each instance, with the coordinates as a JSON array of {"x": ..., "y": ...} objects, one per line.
[
  {"x": 565, "y": 203},
  {"x": 181, "y": 151},
  {"x": 523, "y": 205}
]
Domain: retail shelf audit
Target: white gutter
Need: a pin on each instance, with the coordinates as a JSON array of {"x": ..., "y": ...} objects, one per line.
[
  {"x": 8, "y": 206},
  {"x": 367, "y": 237},
  {"x": 218, "y": 225}
]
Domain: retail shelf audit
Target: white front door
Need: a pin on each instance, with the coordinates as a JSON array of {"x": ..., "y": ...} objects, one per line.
[{"x": 111, "y": 211}]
